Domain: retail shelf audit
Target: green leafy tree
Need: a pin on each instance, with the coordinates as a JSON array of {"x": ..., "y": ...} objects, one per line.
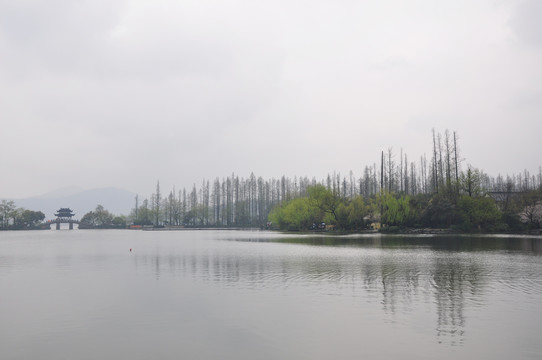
[
  {"x": 327, "y": 202},
  {"x": 352, "y": 213},
  {"x": 296, "y": 214},
  {"x": 143, "y": 215},
  {"x": 531, "y": 208},
  {"x": 103, "y": 217},
  {"x": 18, "y": 218},
  {"x": 440, "y": 212},
  {"x": 478, "y": 212},
  {"x": 418, "y": 205},
  {"x": 373, "y": 209},
  {"x": 98, "y": 218},
  {"x": 89, "y": 219},
  {"x": 190, "y": 217},
  {"x": 119, "y": 221},
  {"x": 7, "y": 209},
  {"x": 396, "y": 211},
  {"x": 31, "y": 218}
]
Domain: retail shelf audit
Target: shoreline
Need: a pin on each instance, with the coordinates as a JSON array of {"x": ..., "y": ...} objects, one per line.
[{"x": 404, "y": 231}]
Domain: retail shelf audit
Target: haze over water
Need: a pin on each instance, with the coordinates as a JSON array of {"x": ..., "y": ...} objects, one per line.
[{"x": 261, "y": 295}]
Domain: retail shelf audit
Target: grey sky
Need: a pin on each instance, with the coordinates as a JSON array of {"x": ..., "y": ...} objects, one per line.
[{"x": 122, "y": 93}]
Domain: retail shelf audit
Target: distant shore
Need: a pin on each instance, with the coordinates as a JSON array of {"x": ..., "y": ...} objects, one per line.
[{"x": 396, "y": 231}]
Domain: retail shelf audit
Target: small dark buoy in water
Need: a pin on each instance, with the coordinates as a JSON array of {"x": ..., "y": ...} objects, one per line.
[{"x": 130, "y": 249}]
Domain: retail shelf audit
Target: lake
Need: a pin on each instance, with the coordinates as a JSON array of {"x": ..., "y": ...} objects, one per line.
[{"x": 83, "y": 294}]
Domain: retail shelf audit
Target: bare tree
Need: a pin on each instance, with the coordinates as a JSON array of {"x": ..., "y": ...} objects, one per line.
[{"x": 435, "y": 166}]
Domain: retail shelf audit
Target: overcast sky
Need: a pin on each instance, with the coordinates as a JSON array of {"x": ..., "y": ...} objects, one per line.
[{"x": 124, "y": 93}]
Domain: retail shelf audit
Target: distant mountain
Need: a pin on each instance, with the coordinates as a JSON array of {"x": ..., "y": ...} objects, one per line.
[
  {"x": 60, "y": 193},
  {"x": 116, "y": 201}
]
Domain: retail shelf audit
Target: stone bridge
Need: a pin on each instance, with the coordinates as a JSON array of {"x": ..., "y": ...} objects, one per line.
[{"x": 63, "y": 221}]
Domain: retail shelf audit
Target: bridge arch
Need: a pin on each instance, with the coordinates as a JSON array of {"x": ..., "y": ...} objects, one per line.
[{"x": 57, "y": 223}]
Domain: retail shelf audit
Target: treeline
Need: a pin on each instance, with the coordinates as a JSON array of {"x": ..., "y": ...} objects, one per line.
[
  {"x": 229, "y": 202},
  {"x": 510, "y": 212},
  {"x": 435, "y": 188},
  {"x": 100, "y": 218},
  {"x": 17, "y": 218}
]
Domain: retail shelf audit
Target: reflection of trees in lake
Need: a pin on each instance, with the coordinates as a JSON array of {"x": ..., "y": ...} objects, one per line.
[
  {"x": 400, "y": 285},
  {"x": 530, "y": 245},
  {"x": 449, "y": 283},
  {"x": 454, "y": 283},
  {"x": 401, "y": 281}
]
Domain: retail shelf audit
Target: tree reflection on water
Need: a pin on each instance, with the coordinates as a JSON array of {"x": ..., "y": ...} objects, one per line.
[{"x": 445, "y": 278}]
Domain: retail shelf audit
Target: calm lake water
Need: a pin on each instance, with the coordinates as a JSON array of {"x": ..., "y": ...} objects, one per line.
[{"x": 82, "y": 294}]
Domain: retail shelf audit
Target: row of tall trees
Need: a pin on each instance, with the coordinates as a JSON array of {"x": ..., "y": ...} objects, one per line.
[
  {"x": 432, "y": 186},
  {"x": 229, "y": 202}
]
